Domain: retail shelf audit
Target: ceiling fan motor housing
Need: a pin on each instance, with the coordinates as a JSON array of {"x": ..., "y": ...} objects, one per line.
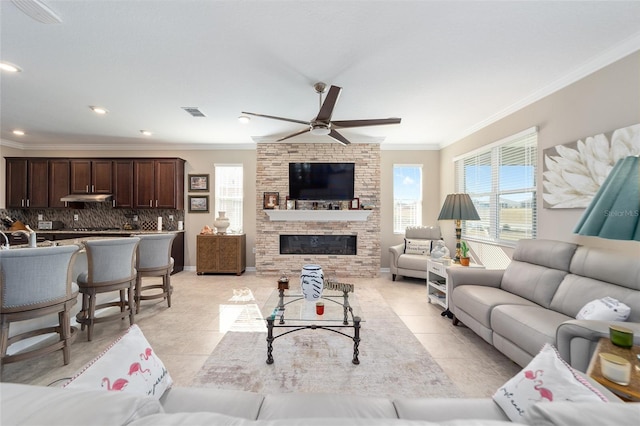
[{"x": 320, "y": 129}]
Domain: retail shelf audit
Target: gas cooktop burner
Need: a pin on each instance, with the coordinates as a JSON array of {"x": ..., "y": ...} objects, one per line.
[{"x": 98, "y": 228}]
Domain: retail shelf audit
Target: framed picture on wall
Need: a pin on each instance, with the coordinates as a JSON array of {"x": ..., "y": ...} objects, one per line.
[
  {"x": 355, "y": 204},
  {"x": 198, "y": 182},
  {"x": 291, "y": 204},
  {"x": 271, "y": 200},
  {"x": 198, "y": 204}
]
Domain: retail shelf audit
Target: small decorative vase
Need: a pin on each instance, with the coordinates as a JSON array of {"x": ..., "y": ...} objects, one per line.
[
  {"x": 221, "y": 223},
  {"x": 312, "y": 282}
]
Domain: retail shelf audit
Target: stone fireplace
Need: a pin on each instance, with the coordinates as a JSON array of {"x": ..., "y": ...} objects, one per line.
[{"x": 360, "y": 229}]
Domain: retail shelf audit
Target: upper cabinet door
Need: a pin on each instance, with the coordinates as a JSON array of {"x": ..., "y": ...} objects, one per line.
[
  {"x": 91, "y": 177},
  {"x": 123, "y": 184},
  {"x": 38, "y": 184},
  {"x": 144, "y": 184},
  {"x": 59, "y": 182},
  {"x": 16, "y": 196},
  {"x": 101, "y": 177}
]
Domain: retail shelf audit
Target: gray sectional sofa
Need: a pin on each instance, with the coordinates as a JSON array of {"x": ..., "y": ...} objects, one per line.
[
  {"x": 535, "y": 300},
  {"x": 37, "y": 405}
]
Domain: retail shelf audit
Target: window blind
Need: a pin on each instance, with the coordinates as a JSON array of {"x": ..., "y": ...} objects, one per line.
[{"x": 501, "y": 181}]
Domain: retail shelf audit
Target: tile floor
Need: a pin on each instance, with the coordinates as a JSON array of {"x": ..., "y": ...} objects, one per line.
[{"x": 184, "y": 335}]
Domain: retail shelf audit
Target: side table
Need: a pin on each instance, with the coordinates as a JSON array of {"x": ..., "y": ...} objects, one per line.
[
  {"x": 631, "y": 392},
  {"x": 437, "y": 282}
]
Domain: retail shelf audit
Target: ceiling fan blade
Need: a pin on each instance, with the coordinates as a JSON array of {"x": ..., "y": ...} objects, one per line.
[
  {"x": 363, "y": 123},
  {"x": 294, "y": 134},
  {"x": 329, "y": 103},
  {"x": 277, "y": 118},
  {"x": 338, "y": 137}
]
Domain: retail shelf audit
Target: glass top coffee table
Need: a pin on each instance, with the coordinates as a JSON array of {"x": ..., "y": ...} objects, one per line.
[{"x": 287, "y": 309}]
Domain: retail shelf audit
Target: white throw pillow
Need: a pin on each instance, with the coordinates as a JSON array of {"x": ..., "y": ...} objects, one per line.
[
  {"x": 605, "y": 309},
  {"x": 547, "y": 378},
  {"x": 413, "y": 246},
  {"x": 129, "y": 365}
]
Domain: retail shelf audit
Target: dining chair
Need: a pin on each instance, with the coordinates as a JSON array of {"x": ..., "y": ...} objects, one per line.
[
  {"x": 154, "y": 260},
  {"x": 110, "y": 268},
  {"x": 37, "y": 282}
]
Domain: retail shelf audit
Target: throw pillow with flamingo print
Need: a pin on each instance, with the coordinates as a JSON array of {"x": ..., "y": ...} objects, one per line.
[
  {"x": 546, "y": 379},
  {"x": 128, "y": 365}
]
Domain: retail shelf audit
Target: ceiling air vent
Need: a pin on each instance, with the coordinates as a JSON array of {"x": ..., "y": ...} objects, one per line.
[{"x": 194, "y": 111}]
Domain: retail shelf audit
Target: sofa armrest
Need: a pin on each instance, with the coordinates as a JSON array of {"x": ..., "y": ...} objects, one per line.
[
  {"x": 576, "y": 340},
  {"x": 474, "y": 276},
  {"x": 396, "y": 251}
]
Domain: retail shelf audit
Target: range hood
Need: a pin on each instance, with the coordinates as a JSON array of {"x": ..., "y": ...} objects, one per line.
[{"x": 86, "y": 198}]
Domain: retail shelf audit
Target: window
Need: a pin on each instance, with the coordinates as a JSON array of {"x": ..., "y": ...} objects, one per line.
[
  {"x": 229, "y": 193},
  {"x": 407, "y": 196},
  {"x": 501, "y": 180}
]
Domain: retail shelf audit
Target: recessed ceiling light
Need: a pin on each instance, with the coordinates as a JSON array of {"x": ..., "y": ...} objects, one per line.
[
  {"x": 18, "y": 132},
  {"x": 146, "y": 132},
  {"x": 6, "y": 66},
  {"x": 99, "y": 110},
  {"x": 244, "y": 119}
]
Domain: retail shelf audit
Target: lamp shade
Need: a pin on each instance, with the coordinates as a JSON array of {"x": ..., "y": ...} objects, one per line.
[
  {"x": 614, "y": 212},
  {"x": 458, "y": 207}
]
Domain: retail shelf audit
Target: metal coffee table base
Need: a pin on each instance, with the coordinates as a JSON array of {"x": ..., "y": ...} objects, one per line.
[{"x": 271, "y": 337}]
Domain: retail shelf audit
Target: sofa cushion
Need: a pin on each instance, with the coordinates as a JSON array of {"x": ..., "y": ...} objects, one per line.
[
  {"x": 479, "y": 301},
  {"x": 538, "y": 324},
  {"x": 582, "y": 413},
  {"x": 414, "y": 262},
  {"x": 224, "y": 401},
  {"x": 307, "y": 405},
  {"x": 40, "y": 405},
  {"x": 414, "y": 246},
  {"x": 441, "y": 409},
  {"x": 575, "y": 291},
  {"x": 546, "y": 378},
  {"x": 548, "y": 253},
  {"x": 129, "y": 365},
  {"x": 609, "y": 266},
  {"x": 533, "y": 282}
]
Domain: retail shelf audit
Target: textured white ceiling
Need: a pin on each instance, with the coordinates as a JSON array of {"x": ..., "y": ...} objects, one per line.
[{"x": 445, "y": 67}]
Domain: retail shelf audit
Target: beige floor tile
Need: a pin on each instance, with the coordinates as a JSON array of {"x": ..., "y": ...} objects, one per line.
[{"x": 184, "y": 335}]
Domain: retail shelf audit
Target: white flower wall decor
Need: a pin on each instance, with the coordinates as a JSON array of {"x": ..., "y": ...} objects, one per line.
[{"x": 573, "y": 172}]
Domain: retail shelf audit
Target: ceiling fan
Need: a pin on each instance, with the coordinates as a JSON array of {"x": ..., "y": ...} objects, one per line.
[{"x": 322, "y": 124}]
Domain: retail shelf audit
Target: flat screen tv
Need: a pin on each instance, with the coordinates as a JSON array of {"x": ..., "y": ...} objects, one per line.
[{"x": 321, "y": 181}]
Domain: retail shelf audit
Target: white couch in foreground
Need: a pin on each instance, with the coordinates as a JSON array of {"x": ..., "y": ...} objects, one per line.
[{"x": 36, "y": 405}]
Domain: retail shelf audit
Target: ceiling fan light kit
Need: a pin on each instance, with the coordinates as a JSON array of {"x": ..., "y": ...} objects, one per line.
[{"x": 322, "y": 124}]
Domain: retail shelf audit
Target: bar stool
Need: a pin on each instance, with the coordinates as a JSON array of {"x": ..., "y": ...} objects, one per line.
[
  {"x": 110, "y": 267},
  {"x": 154, "y": 260},
  {"x": 36, "y": 282}
]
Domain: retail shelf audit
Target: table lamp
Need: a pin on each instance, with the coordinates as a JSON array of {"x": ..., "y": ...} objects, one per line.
[
  {"x": 458, "y": 207},
  {"x": 614, "y": 212}
]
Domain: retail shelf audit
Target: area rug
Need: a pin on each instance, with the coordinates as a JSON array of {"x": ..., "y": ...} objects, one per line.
[{"x": 393, "y": 363}]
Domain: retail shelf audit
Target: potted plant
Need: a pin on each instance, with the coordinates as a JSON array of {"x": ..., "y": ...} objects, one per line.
[{"x": 464, "y": 253}]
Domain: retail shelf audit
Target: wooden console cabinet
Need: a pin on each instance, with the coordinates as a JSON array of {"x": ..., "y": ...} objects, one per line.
[{"x": 221, "y": 254}]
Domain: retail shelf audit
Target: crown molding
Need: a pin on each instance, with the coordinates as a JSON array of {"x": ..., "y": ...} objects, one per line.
[{"x": 130, "y": 147}]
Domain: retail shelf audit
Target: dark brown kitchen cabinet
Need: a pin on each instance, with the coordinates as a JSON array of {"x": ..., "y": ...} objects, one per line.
[
  {"x": 158, "y": 183},
  {"x": 123, "y": 184},
  {"x": 27, "y": 183},
  {"x": 91, "y": 176},
  {"x": 59, "y": 182}
]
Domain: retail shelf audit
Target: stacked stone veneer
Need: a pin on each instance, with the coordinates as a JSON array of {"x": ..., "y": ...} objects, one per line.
[{"x": 272, "y": 175}]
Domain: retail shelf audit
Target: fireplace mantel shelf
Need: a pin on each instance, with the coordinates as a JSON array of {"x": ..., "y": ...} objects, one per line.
[{"x": 318, "y": 215}]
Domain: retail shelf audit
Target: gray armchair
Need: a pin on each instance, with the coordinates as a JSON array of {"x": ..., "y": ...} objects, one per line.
[
  {"x": 408, "y": 264},
  {"x": 36, "y": 282}
]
